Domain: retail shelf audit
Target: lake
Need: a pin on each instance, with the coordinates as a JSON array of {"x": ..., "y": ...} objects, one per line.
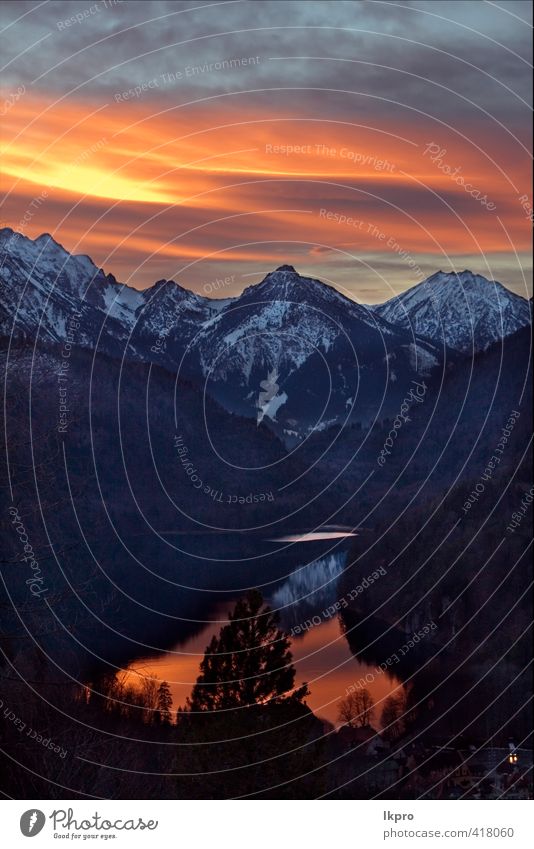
[{"x": 321, "y": 653}]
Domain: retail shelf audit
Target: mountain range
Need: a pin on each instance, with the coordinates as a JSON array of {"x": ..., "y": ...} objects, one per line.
[
  {"x": 290, "y": 351},
  {"x": 465, "y": 311},
  {"x": 174, "y": 471}
]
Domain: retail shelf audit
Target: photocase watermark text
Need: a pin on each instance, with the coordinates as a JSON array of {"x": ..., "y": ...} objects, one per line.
[
  {"x": 36, "y": 581},
  {"x": 436, "y": 154},
  {"x": 415, "y": 396}
]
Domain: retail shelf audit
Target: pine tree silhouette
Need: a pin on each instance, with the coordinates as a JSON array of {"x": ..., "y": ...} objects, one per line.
[
  {"x": 164, "y": 704},
  {"x": 249, "y": 663}
]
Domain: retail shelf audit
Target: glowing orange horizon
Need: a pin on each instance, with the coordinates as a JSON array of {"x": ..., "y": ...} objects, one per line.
[{"x": 123, "y": 181}]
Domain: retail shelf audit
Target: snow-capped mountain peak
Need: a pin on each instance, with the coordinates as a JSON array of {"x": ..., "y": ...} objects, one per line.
[
  {"x": 285, "y": 289},
  {"x": 45, "y": 288},
  {"x": 465, "y": 311},
  {"x": 44, "y": 262},
  {"x": 323, "y": 355}
]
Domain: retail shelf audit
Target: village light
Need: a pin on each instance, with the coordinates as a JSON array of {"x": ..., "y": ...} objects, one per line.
[{"x": 512, "y": 757}]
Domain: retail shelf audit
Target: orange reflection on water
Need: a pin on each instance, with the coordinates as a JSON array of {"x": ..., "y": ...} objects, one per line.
[{"x": 321, "y": 657}]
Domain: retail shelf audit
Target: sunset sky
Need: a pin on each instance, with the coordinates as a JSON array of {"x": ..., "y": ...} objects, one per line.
[{"x": 196, "y": 141}]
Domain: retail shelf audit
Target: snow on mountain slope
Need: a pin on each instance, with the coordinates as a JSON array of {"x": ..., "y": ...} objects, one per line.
[
  {"x": 282, "y": 321},
  {"x": 465, "y": 311},
  {"x": 330, "y": 356},
  {"x": 168, "y": 317},
  {"x": 47, "y": 291},
  {"x": 314, "y": 355}
]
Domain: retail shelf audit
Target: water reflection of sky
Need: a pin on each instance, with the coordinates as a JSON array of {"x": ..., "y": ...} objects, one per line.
[
  {"x": 321, "y": 657},
  {"x": 314, "y": 536}
]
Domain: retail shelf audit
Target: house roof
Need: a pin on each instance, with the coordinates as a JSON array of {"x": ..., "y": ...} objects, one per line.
[{"x": 357, "y": 736}]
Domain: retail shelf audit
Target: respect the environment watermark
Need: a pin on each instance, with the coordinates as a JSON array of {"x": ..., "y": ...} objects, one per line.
[
  {"x": 169, "y": 79},
  {"x": 369, "y": 228}
]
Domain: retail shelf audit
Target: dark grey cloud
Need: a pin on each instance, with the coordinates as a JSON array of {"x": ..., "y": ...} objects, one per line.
[
  {"x": 475, "y": 49},
  {"x": 419, "y": 67}
]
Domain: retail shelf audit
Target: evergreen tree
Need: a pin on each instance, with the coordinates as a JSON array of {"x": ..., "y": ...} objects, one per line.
[
  {"x": 392, "y": 717},
  {"x": 249, "y": 663},
  {"x": 164, "y": 703}
]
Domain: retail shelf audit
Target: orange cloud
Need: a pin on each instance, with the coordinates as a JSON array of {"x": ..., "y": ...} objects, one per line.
[{"x": 212, "y": 182}]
